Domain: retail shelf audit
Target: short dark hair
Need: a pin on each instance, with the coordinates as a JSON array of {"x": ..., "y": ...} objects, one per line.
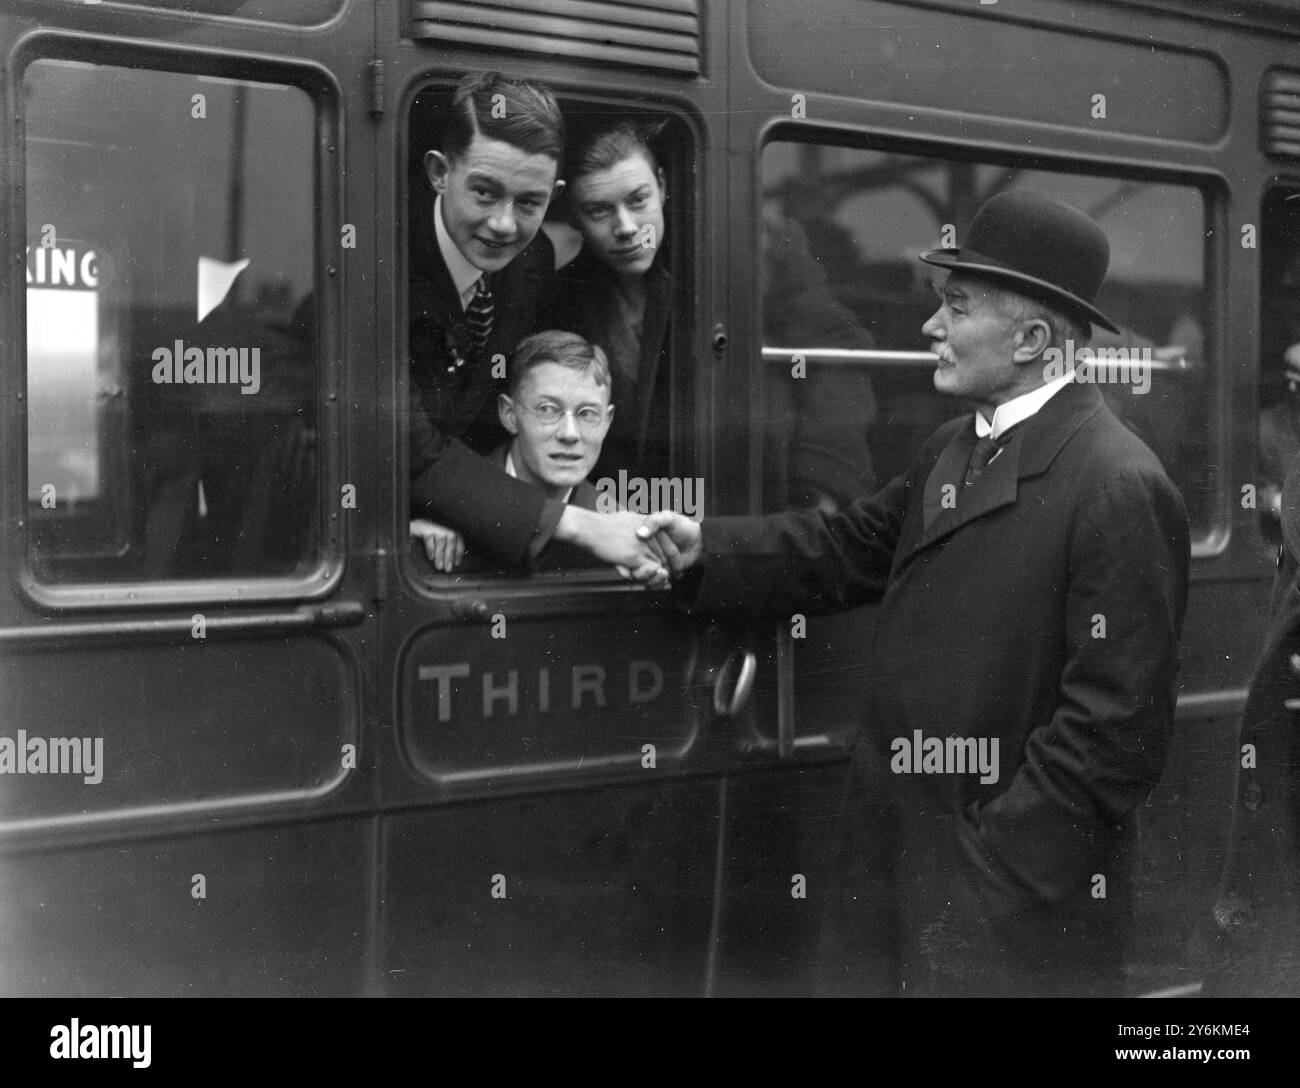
[
  {"x": 562, "y": 348},
  {"x": 605, "y": 148},
  {"x": 526, "y": 116}
]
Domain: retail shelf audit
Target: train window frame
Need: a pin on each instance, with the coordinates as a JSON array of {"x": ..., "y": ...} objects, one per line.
[
  {"x": 685, "y": 173},
  {"x": 322, "y": 570},
  {"x": 1211, "y": 187}
]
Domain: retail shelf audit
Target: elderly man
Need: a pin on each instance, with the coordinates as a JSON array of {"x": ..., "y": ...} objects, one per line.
[{"x": 1031, "y": 568}]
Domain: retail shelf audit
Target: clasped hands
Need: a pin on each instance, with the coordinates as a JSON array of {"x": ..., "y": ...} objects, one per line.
[{"x": 651, "y": 549}]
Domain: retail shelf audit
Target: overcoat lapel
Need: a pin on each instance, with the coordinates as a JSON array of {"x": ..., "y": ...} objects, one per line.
[
  {"x": 1029, "y": 452},
  {"x": 948, "y": 469}
]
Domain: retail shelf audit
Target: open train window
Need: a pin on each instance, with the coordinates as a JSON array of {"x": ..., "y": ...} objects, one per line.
[
  {"x": 631, "y": 437},
  {"x": 846, "y": 298},
  {"x": 171, "y": 337}
]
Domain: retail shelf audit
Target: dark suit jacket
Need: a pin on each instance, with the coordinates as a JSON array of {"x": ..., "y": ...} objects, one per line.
[
  {"x": 556, "y": 556},
  {"x": 1257, "y": 915},
  {"x": 454, "y": 412},
  {"x": 640, "y": 439},
  {"x": 584, "y": 494},
  {"x": 1043, "y": 613}
]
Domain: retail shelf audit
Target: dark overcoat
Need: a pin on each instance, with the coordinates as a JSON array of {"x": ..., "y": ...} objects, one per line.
[
  {"x": 452, "y": 409},
  {"x": 1037, "y": 610}
]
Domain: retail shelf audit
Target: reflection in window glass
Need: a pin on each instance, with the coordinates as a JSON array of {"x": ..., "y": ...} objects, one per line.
[
  {"x": 63, "y": 333},
  {"x": 863, "y": 217},
  {"x": 171, "y": 334}
]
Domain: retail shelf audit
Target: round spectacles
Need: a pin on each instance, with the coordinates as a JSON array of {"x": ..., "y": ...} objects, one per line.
[{"x": 588, "y": 420}]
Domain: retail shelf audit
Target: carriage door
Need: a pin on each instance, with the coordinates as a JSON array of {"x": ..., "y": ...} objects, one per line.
[
  {"x": 184, "y": 637},
  {"x": 561, "y": 742}
]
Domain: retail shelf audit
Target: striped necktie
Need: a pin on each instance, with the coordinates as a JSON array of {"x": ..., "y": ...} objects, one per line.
[{"x": 479, "y": 312}]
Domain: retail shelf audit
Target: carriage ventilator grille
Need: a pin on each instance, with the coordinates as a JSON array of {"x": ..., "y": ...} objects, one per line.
[
  {"x": 1279, "y": 113},
  {"x": 657, "y": 34}
]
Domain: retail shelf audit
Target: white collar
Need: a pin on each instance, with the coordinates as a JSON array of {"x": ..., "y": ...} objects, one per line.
[
  {"x": 1018, "y": 409},
  {"x": 510, "y": 470},
  {"x": 464, "y": 276}
]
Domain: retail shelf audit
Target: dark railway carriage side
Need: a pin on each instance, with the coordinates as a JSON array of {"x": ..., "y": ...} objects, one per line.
[{"x": 328, "y": 770}]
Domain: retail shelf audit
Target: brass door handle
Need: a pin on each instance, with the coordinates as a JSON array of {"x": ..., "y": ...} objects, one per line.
[{"x": 735, "y": 683}]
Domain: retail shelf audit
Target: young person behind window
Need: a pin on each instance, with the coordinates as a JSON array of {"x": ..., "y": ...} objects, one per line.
[
  {"x": 620, "y": 292},
  {"x": 557, "y": 411}
]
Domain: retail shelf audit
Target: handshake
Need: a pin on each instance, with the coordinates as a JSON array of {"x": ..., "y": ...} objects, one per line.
[{"x": 650, "y": 548}]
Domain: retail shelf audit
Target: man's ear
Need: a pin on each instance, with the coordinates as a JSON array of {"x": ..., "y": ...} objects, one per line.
[
  {"x": 663, "y": 186},
  {"x": 437, "y": 166},
  {"x": 604, "y": 431},
  {"x": 1035, "y": 337},
  {"x": 508, "y": 414}
]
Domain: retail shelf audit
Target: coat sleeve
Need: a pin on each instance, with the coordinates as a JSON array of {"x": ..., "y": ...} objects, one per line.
[
  {"x": 802, "y": 561},
  {"x": 455, "y": 486},
  {"x": 1104, "y": 748}
]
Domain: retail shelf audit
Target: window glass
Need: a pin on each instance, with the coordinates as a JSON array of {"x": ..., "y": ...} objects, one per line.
[
  {"x": 171, "y": 333},
  {"x": 635, "y": 450},
  {"x": 843, "y": 228},
  {"x": 1279, "y": 363}
]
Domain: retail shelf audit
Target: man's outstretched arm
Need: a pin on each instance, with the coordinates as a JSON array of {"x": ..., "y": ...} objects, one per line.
[
  {"x": 453, "y": 486},
  {"x": 800, "y": 561}
]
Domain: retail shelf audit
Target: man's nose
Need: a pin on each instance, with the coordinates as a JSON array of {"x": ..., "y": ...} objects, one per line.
[
  {"x": 568, "y": 429},
  {"x": 933, "y": 328},
  {"x": 625, "y": 225},
  {"x": 502, "y": 219}
]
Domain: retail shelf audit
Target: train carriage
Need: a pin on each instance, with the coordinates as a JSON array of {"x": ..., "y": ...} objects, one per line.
[{"x": 279, "y": 753}]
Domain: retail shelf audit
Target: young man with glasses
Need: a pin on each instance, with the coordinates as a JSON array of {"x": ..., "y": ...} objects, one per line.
[{"x": 557, "y": 411}]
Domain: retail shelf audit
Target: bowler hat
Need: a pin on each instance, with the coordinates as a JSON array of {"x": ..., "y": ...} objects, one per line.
[{"x": 1045, "y": 249}]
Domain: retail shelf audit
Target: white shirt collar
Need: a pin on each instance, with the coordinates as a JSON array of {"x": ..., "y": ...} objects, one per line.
[
  {"x": 1020, "y": 408},
  {"x": 510, "y": 470},
  {"x": 464, "y": 275}
]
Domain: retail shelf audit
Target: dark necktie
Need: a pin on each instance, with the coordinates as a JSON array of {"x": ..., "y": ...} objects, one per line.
[
  {"x": 479, "y": 312},
  {"x": 985, "y": 450}
]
